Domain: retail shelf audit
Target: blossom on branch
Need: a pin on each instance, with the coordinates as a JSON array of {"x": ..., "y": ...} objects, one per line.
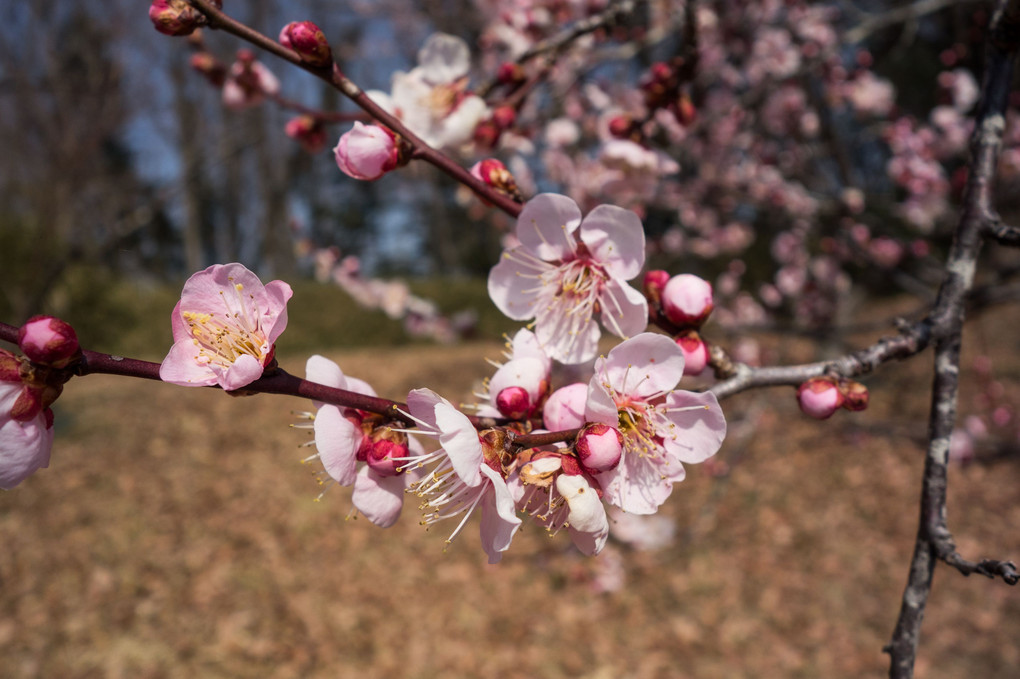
[
  {"x": 367, "y": 152},
  {"x": 566, "y": 270},
  {"x": 26, "y": 422},
  {"x": 346, "y": 436},
  {"x": 467, "y": 473},
  {"x": 248, "y": 82},
  {"x": 633, "y": 391},
  {"x": 432, "y": 99},
  {"x": 225, "y": 327}
]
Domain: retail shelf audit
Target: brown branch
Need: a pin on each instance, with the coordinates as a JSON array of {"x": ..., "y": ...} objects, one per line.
[
  {"x": 616, "y": 10},
  {"x": 934, "y": 540}
]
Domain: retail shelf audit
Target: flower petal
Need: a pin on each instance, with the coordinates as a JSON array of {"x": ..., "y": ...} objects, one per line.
[
  {"x": 321, "y": 370},
  {"x": 179, "y": 367},
  {"x": 644, "y": 366},
  {"x": 243, "y": 371},
  {"x": 624, "y": 309},
  {"x": 616, "y": 239},
  {"x": 636, "y": 485},
  {"x": 379, "y": 498},
  {"x": 24, "y": 449},
  {"x": 337, "y": 440},
  {"x": 512, "y": 286},
  {"x": 460, "y": 441},
  {"x": 700, "y": 426},
  {"x": 444, "y": 58},
  {"x": 499, "y": 521},
  {"x": 547, "y": 224}
]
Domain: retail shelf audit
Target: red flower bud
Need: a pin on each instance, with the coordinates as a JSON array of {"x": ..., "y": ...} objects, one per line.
[
  {"x": 49, "y": 340},
  {"x": 819, "y": 397},
  {"x": 308, "y": 41}
]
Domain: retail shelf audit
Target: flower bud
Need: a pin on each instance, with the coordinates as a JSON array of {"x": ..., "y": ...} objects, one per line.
[
  {"x": 210, "y": 67},
  {"x": 855, "y": 396},
  {"x": 687, "y": 300},
  {"x": 504, "y": 117},
  {"x": 307, "y": 131},
  {"x": 494, "y": 173},
  {"x": 599, "y": 447},
  {"x": 514, "y": 403},
  {"x": 653, "y": 284},
  {"x": 308, "y": 41},
  {"x": 565, "y": 407},
  {"x": 487, "y": 133},
  {"x": 695, "y": 352},
  {"x": 175, "y": 17},
  {"x": 819, "y": 397},
  {"x": 10, "y": 367},
  {"x": 510, "y": 73},
  {"x": 383, "y": 457},
  {"x": 621, "y": 126},
  {"x": 48, "y": 340},
  {"x": 367, "y": 152}
]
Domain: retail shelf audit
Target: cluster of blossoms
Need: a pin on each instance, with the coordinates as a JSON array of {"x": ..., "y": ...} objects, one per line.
[{"x": 29, "y": 385}]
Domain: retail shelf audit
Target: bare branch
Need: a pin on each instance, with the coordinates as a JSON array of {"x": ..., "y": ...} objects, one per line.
[{"x": 897, "y": 16}]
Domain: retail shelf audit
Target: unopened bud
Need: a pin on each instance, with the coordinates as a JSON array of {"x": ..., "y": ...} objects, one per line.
[
  {"x": 621, "y": 126},
  {"x": 504, "y": 117},
  {"x": 494, "y": 173},
  {"x": 307, "y": 131},
  {"x": 687, "y": 300},
  {"x": 45, "y": 339},
  {"x": 855, "y": 396},
  {"x": 695, "y": 352},
  {"x": 367, "y": 152},
  {"x": 514, "y": 403},
  {"x": 565, "y": 407},
  {"x": 10, "y": 367},
  {"x": 487, "y": 134},
  {"x": 599, "y": 447},
  {"x": 653, "y": 284},
  {"x": 308, "y": 41},
  {"x": 684, "y": 111},
  {"x": 819, "y": 397},
  {"x": 175, "y": 17},
  {"x": 510, "y": 73}
]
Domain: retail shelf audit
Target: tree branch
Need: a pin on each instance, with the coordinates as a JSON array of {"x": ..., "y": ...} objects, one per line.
[
  {"x": 934, "y": 540},
  {"x": 217, "y": 19}
]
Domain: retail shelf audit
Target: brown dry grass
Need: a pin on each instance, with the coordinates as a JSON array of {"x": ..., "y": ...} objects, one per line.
[{"x": 175, "y": 536}]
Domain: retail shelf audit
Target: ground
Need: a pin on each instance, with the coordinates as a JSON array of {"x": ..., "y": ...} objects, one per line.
[{"x": 175, "y": 534}]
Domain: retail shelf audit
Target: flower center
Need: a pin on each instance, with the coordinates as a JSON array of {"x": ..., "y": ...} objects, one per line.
[{"x": 222, "y": 339}]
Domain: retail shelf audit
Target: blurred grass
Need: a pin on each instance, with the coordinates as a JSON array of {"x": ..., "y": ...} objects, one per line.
[{"x": 130, "y": 317}]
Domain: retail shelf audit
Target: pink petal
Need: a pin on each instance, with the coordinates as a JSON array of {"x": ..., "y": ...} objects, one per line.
[
  {"x": 546, "y": 226},
  {"x": 444, "y": 58},
  {"x": 624, "y": 309},
  {"x": 528, "y": 373},
  {"x": 179, "y": 367},
  {"x": 616, "y": 238},
  {"x": 274, "y": 315},
  {"x": 644, "y": 366},
  {"x": 511, "y": 287},
  {"x": 379, "y": 498},
  {"x": 243, "y": 371},
  {"x": 24, "y": 449},
  {"x": 564, "y": 340},
  {"x": 636, "y": 485},
  {"x": 499, "y": 521},
  {"x": 321, "y": 370},
  {"x": 600, "y": 406},
  {"x": 422, "y": 405},
  {"x": 337, "y": 440},
  {"x": 459, "y": 439},
  {"x": 565, "y": 407},
  {"x": 700, "y": 431},
  {"x": 589, "y": 544}
]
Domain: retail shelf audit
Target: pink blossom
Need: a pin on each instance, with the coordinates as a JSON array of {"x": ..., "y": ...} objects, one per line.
[
  {"x": 520, "y": 386},
  {"x": 566, "y": 270},
  {"x": 599, "y": 447},
  {"x": 248, "y": 82},
  {"x": 344, "y": 436},
  {"x": 367, "y": 152},
  {"x": 432, "y": 99},
  {"x": 467, "y": 474},
  {"x": 633, "y": 391},
  {"x": 25, "y": 444},
  {"x": 225, "y": 328},
  {"x": 307, "y": 131},
  {"x": 544, "y": 489}
]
